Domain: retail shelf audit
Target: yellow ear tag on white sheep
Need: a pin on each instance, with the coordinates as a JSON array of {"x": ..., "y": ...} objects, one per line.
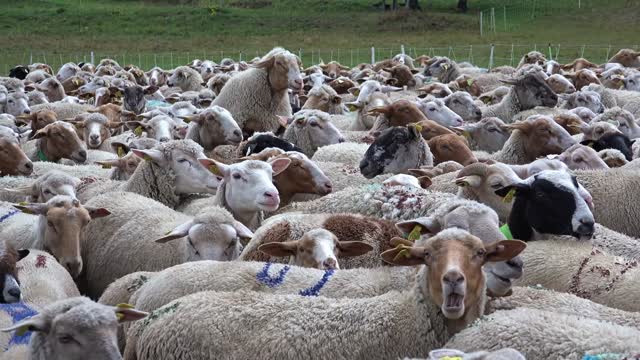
[
  {"x": 147, "y": 158},
  {"x": 418, "y": 127},
  {"x": 138, "y": 131},
  {"x": 415, "y": 233},
  {"x": 106, "y": 166},
  {"x": 509, "y": 197},
  {"x": 125, "y": 306},
  {"x": 352, "y": 107},
  {"x": 466, "y": 134},
  {"x": 446, "y": 66},
  {"x": 214, "y": 169},
  {"x": 120, "y": 151},
  {"x": 22, "y": 330},
  {"x": 118, "y": 94}
]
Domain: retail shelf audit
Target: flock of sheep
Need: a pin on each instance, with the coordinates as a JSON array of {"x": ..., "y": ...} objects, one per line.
[{"x": 256, "y": 210}]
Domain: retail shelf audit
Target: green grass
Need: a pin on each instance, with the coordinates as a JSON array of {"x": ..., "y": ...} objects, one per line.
[{"x": 168, "y": 33}]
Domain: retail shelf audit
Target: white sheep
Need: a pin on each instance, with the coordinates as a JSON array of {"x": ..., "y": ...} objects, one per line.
[
  {"x": 75, "y": 329},
  {"x": 213, "y": 127},
  {"x": 347, "y": 153},
  {"x": 186, "y": 78},
  {"x": 169, "y": 171},
  {"x": 80, "y": 171},
  {"x": 212, "y": 235},
  {"x": 312, "y": 129},
  {"x": 415, "y": 321},
  {"x": 247, "y": 189},
  {"x": 541, "y": 334},
  {"x": 42, "y": 189},
  {"x": 257, "y": 96},
  {"x": 63, "y": 110}
]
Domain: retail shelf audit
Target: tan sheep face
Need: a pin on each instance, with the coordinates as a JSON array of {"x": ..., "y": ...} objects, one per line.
[
  {"x": 302, "y": 176},
  {"x": 431, "y": 129},
  {"x": 60, "y": 140},
  {"x": 543, "y": 136},
  {"x": 13, "y": 160},
  {"x": 451, "y": 148},
  {"x": 400, "y": 113},
  {"x": 317, "y": 249},
  {"x": 454, "y": 260}
]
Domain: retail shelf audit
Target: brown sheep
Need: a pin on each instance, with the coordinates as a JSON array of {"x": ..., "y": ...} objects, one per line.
[
  {"x": 451, "y": 147},
  {"x": 626, "y": 57}
]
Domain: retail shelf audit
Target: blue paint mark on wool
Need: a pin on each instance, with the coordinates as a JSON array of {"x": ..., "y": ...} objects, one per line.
[
  {"x": 18, "y": 312},
  {"x": 611, "y": 356},
  {"x": 315, "y": 289},
  {"x": 8, "y": 215},
  {"x": 264, "y": 277}
]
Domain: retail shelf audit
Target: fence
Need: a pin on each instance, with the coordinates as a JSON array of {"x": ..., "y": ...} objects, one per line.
[{"x": 485, "y": 55}]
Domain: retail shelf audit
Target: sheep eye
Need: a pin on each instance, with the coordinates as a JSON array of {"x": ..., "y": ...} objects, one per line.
[
  {"x": 313, "y": 124},
  {"x": 49, "y": 223},
  {"x": 432, "y": 109},
  {"x": 237, "y": 176},
  {"x": 65, "y": 339},
  {"x": 496, "y": 186},
  {"x": 481, "y": 253},
  {"x": 184, "y": 161},
  {"x": 10, "y": 101}
]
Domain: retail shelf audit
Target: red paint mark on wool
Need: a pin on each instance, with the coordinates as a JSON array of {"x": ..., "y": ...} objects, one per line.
[{"x": 41, "y": 261}]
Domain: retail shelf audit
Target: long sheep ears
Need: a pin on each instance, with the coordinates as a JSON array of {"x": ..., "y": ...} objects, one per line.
[
  {"x": 96, "y": 213},
  {"x": 280, "y": 249},
  {"x": 108, "y": 164},
  {"x": 35, "y": 323},
  {"x": 150, "y": 155},
  {"x": 126, "y": 313},
  {"x": 421, "y": 226},
  {"x": 279, "y": 165},
  {"x": 32, "y": 208},
  {"x": 217, "y": 168},
  {"x": 179, "y": 232},
  {"x": 469, "y": 180},
  {"x": 353, "y": 248},
  {"x": 266, "y": 63},
  {"x": 241, "y": 230},
  {"x": 404, "y": 255},
  {"x": 504, "y": 250}
]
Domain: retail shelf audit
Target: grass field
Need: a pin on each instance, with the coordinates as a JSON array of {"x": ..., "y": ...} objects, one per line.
[{"x": 168, "y": 33}]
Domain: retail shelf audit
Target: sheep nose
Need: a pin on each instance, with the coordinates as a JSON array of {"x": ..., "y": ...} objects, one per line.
[
  {"x": 29, "y": 165},
  {"x": 270, "y": 194},
  {"x": 26, "y": 111},
  {"x": 340, "y": 139},
  {"x": 586, "y": 227},
  {"x": 516, "y": 262},
  {"x": 15, "y": 292},
  {"x": 299, "y": 83},
  {"x": 95, "y": 137},
  {"x": 479, "y": 113},
  {"x": 73, "y": 266},
  {"x": 163, "y": 139},
  {"x": 83, "y": 154},
  {"x": 330, "y": 264},
  {"x": 453, "y": 278},
  {"x": 328, "y": 186}
]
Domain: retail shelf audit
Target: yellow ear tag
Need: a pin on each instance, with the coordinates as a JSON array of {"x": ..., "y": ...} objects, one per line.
[
  {"x": 138, "y": 131},
  {"x": 118, "y": 93},
  {"x": 352, "y": 107},
  {"x": 509, "y": 197},
  {"x": 22, "y": 330},
  {"x": 120, "y": 151},
  {"x": 486, "y": 100},
  {"x": 147, "y": 158},
  {"x": 23, "y": 203},
  {"x": 451, "y": 358},
  {"x": 404, "y": 252},
  {"x": 119, "y": 316},
  {"x": 415, "y": 233},
  {"x": 418, "y": 127},
  {"x": 214, "y": 169},
  {"x": 106, "y": 166},
  {"x": 469, "y": 82},
  {"x": 357, "y": 92},
  {"x": 590, "y": 145},
  {"x": 446, "y": 66},
  {"x": 125, "y": 306},
  {"x": 466, "y": 134}
]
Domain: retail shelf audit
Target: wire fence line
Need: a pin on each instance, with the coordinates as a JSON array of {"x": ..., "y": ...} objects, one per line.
[{"x": 483, "y": 55}]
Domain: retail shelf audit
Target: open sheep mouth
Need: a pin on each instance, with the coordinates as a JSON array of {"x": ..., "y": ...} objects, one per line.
[{"x": 453, "y": 302}]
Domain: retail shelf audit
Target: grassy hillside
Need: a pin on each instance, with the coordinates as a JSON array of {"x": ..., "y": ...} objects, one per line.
[{"x": 142, "y": 31}]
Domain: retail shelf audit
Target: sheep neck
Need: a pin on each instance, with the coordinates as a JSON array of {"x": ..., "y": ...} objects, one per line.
[
  {"x": 249, "y": 218},
  {"x": 155, "y": 182},
  {"x": 44, "y": 152}
]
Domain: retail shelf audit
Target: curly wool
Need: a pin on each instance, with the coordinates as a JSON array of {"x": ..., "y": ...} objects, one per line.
[
  {"x": 347, "y": 152},
  {"x": 63, "y": 110},
  {"x": 505, "y": 110}
]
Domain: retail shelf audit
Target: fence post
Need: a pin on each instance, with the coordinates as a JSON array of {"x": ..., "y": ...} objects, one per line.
[
  {"x": 373, "y": 55},
  {"x": 470, "y": 59},
  {"x": 402, "y": 46},
  {"x": 30, "y": 58},
  {"x": 491, "y": 57},
  {"x": 511, "y": 62},
  {"x": 504, "y": 14},
  {"x": 608, "y": 53},
  {"x": 155, "y": 59},
  {"x": 481, "y": 24},
  {"x": 582, "y": 52},
  {"x": 493, "y": 19},
  {"x": 93, "y": 59},
  {"x": 550, "y": 52}
]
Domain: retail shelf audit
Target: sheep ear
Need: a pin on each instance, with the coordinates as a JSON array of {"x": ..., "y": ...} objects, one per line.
[
  {"x": 179, "y": 232},
  {"x": 469, "y": 180},
  {"x": 120, "y": 148},
  {"x": 509, "y": 81},
  {"x": 35, "y": 323},
  {"x": 354, "y": 106},
  {"x": 354, "y": 91},
  {"x": 509, "y": 192},
  {"x": 241, "y": 230},
  {"x": 150, "y": 155},
  {"x": 426, "y": 225},
  {"x": 419, "y": 172},
  {"x": 283, "y": 120},
  {"x": 378, "y": 110},
  {"x": 96, "y": 213},
  {"x": 23, "y": 253},
  {"x": 215, "y": 167},
  {"x": 353, "y": 248},
  {"x": 336, "y": 99},
  {"x": 266, "y": 63},
  {"x": 425, "y": 181},
  {"x": 280, "y": 249},
  {"x": 40, "y": 134},
  {"x": 150, "y": 89},
  {"x": 404, "y": 255},
  {"x": 279, "y": 165},
  {"x": 32, "y": 208},
  {"x": 504, "y": 250},
  {"x": 108, "y": 164},
  {"x": 126, "y": 313},
  {"x": 388, "y": 89}
]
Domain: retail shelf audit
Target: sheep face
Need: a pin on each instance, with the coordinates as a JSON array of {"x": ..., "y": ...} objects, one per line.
[
  {"x": 317, "y": 249},
  {"x": 210, "y": 240},
  {"x": 626, "y": 57},
  {"x": 161, "y": 127},
  {"x": 157, "y": 77},
  {"x": 60, "y": 140},
  {"x": 302, "y": 176},
  {"x": 580, "y": 157},
  {"x": 596, "y": 130},
  {"x": 134, "y": 97},
  {"x": 127, "y": 165},
  {"x": 249, "y": 185},
  {"x": 454, "y": 259},
  {"x": 95, "y": 130},
  {"x": 462, "y": 104},
  {"x": 318, "y": 128},
  {"x": 64, "y": 220},
  {"x": 17, "y": 104},
  {"x": 583, "y": 113},
  {"x": 324, "y": 98},
  {"x": 489, "y": 134},
  {"x": 533, "y": 57},
  {"x": 9, "y": 286},
  {"x": 395, "y": 150},
  {"x": 437, "y": 90},
  {"x": 560, "y": 85},
  {"x": 542, "y": 136},
  {"x": 451, "y": 148},
  {"x": 431, "y": 129},
  {"x": 39, "y": 119},
  {"x": 190, "y": 176},
  {"x": 613, "y": 141},
  {"x": 333, "y": 69},
  {"x": 550, "y": 202},
  {"x": 13, "y": 161},
  {"x": 53, "y": 184},
  {"x": 437, "y": 111},
  {"x": 532, "y": 90},
  {"x": 585, "y": 98},
  {"x": 217, "y": 127},
  {"x": 217, "y": 82},
  {"x": 284, "y": 70},
  {"x": 19, "y": 72},
  {"x": 632, "y": 82},
  {"x": 66, "y": 71}
]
